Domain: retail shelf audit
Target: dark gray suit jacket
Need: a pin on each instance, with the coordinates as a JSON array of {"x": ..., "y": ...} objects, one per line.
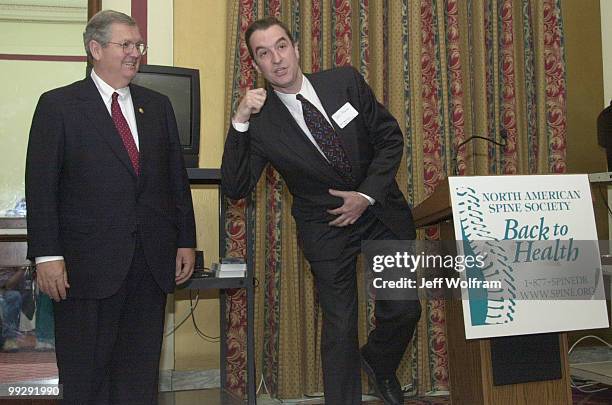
[
  {"x": 84, "y": 199},
  {"x": 374, "y": 145}
]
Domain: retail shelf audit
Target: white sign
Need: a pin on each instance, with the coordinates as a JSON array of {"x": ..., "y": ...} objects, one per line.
[
  {"x": 345, "y": 114},
  {"x": 541, "y": 269}
]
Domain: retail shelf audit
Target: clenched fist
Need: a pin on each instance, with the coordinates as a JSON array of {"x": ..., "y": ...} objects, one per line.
[{"x": 251, "y": 103}]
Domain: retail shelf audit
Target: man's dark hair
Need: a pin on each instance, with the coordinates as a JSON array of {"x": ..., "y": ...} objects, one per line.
[
  {"x": 604, "y": 132},
  {"x": 264, "y": 24}
]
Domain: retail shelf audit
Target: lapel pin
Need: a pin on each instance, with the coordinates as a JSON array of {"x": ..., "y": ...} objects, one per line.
[{"x": 140, "y": 110}]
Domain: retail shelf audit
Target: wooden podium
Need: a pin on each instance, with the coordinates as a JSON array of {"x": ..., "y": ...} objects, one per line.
[{"x": 470, "y": 361}]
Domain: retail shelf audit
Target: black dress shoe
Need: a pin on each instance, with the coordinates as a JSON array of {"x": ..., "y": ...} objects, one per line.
[{"x": 387, "y": 388}]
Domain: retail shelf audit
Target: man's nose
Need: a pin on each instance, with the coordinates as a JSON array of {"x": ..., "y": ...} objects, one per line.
[
  {"x": 134, "y": 52},
  {"x": 275, "y": 57}
]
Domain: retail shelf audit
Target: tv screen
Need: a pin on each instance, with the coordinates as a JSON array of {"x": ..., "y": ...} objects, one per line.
[{"x": 182, "y": 86}]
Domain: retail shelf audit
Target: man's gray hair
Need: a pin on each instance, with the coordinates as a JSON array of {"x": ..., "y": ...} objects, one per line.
[{"x": 98, "y": 27}]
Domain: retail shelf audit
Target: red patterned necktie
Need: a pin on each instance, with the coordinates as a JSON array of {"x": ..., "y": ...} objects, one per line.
[
  {"x": 126, "y": 135},
  {"x": 327, "y": 139}
]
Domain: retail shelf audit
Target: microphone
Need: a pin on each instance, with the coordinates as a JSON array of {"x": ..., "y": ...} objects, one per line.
[{"x": 503, "y": 134}]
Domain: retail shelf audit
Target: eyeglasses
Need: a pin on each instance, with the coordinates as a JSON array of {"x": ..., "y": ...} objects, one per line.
[{"x": 129, "y": 47}]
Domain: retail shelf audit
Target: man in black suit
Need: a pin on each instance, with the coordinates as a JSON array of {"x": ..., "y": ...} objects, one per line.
[
  {"x": 110, "y": 219},
  {"x": 338, "y": 150}
]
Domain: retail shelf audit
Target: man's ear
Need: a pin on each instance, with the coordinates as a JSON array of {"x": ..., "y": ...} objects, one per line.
[
  {"x": 95, "y": 49},
  {"x": 255, "y": 66},
  {"x": 297, "y": 50}
]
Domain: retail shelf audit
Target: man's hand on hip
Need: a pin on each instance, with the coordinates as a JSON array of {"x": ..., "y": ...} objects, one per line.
[
  {"x": 251, "y": 103},
  {"x": 349, "y": 212},
  {"x": 52, "y": 279},
  {"x": 185, "y": 262}
]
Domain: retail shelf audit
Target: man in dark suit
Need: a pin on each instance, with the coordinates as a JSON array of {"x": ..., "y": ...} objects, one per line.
[
  {"x": 110, "y": 219},
  {"x": 338, "y": 150}
]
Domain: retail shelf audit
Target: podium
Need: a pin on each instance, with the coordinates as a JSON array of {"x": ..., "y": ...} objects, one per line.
[{"x": 476, "y": 366}]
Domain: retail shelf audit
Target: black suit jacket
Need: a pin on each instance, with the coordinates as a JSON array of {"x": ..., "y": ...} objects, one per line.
[
  {"x": 373, "y": 142},
  {"x": 84, "y": 199}
]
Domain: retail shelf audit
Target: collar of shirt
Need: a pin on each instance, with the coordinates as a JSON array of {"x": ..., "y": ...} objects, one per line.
[
  {"x": 290, "y": 100},
  {"x": 295, "y": 106},
  {"x": 106, "y": 90},
  {"x": 125, "y": 103}
]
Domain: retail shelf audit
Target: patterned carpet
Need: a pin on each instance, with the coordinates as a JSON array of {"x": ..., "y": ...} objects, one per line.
[
  {"x": 27, "y": 364},
  {"x": 602, "y": 398},
  {"x": 16, "y": 367},
  {"x": 30, "y": 365}
]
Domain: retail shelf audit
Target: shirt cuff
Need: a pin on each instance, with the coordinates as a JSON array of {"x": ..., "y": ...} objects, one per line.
[
  {"x": 241, "y": 126},
  {"x": 43, "y": 259},
  {"x": 367, "y": 197}
]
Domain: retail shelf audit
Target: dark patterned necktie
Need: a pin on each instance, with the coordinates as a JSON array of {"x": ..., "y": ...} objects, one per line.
[
  {"x": 126, "y": 135},
  {"x": 325, "y": 136}
]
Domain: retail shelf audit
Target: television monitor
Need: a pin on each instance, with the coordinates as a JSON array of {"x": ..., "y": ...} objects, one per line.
[{"x": 182, "y": 86}]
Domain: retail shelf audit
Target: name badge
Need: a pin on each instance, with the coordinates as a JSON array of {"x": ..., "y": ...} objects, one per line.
[{"x": 344, "y": 115}]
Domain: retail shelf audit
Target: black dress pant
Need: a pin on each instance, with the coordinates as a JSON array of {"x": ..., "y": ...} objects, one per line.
[
  {"x": 395, "y": 320},
  {"x": 108, "y": 349}
]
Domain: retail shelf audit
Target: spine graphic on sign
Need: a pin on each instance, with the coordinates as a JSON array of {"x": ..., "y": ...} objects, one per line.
[{"x": 487, "y": 305}]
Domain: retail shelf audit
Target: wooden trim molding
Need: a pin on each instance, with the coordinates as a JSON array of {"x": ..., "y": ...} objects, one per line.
[
  {"x": 46, "y": 58},
  {"x": 13, "y": 229},
  {"x": 139, "y": 13},
  {"x": 93, "y": 6}
]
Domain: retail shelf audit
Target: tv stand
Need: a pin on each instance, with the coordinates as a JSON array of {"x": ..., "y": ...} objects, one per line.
[{"x": 213, "y": 176}]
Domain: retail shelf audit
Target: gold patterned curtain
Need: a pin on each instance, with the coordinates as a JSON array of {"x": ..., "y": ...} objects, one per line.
[{"x": 447, "y": 70}]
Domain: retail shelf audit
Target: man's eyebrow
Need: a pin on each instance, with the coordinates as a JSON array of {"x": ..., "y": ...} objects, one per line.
[{"x": 276, "y": 43}]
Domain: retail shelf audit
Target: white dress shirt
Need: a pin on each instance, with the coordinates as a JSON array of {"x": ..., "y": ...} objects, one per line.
[
  {"x": 295, "y": 109},
  {"x": 124, "y": 99},
  {"x": 127, "y": 108}
]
